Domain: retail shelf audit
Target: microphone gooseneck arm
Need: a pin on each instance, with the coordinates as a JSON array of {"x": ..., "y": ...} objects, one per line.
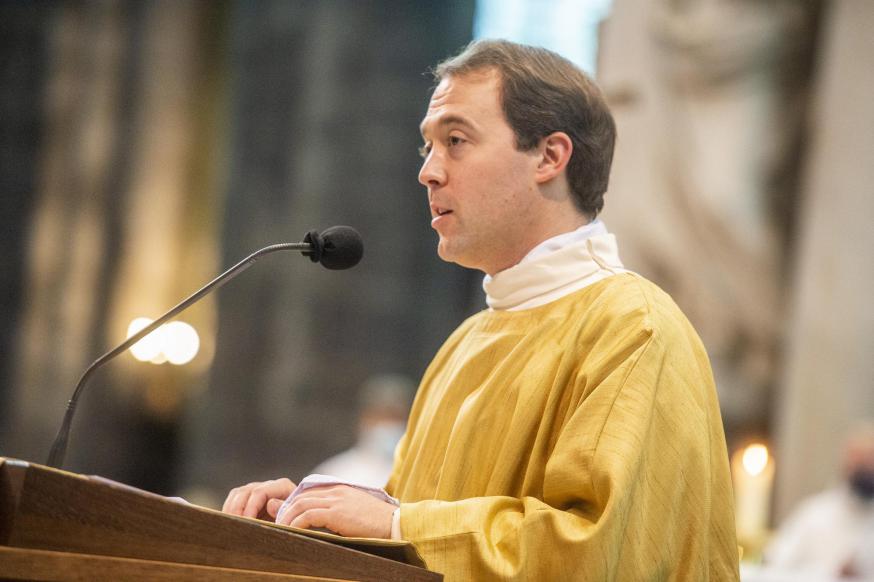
[{"x": 311, "y": 247}]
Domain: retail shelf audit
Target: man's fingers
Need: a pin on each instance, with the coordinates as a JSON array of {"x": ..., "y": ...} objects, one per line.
[
  {"x": 344, "y": 510},
  {"x": 317, "y": 517},
  {"x": 256, "y": 502},
  {"x": 273, "y": 506},
  {"x": 251, "y": 500},
  {"x": 235, "y": 501},
  {"x": 229, "y": 500},
  {"x": 302, "y": 504}
]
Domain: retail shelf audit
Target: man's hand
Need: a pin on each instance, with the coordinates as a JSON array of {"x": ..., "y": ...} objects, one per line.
[
  {"x": 260, "y": 500},
  {"x": 341, "y": 509}
]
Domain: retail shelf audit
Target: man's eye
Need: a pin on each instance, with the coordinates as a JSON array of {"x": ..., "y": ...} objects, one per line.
[
  {"x": 455, "y": 140},
  {"x": 425, "y": 150}
]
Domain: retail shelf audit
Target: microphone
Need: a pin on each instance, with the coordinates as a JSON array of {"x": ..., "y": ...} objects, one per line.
[{"x": 337, "y": 248}]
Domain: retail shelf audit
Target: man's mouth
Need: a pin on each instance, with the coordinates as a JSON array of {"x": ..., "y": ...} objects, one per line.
[{"x": 439, "y": 211}]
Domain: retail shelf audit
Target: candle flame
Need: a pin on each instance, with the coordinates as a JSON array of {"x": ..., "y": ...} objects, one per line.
[{"x": 755, "y": 459}]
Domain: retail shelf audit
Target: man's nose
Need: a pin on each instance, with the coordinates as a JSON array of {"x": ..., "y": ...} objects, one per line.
[{"x": 432, "y": 174}]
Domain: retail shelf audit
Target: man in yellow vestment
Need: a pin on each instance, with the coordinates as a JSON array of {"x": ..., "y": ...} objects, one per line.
[{"x": 571, "y": 431}]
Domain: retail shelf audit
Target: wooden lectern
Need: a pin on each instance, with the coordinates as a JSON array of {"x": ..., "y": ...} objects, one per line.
[{"x": 56, "y": 525}]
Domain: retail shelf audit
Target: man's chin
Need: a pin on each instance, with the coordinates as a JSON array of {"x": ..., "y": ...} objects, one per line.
[
  {"x": 446, "y": 257},
  {"x": 450, "y": 255},
  {"x": 446, "y": 252}
]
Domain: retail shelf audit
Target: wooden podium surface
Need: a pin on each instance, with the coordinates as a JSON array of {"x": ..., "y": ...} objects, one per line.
[{"x": 56, "y": 525}]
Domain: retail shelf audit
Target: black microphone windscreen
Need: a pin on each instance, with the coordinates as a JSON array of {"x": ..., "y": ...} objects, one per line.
[{"x": 343, "y": 248}]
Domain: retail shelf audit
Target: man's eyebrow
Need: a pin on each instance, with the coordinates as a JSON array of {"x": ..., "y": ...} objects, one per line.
[{"x": 450, "y": 119}]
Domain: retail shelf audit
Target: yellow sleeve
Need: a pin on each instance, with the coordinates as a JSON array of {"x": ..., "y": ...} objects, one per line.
[{"x": 629, "y": 491}]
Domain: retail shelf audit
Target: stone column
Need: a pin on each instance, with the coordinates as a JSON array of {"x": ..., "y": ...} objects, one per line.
[{"x": 828, "y": 374}]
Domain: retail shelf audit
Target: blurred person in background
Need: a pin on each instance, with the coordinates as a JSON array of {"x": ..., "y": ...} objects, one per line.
[
  {"x": 832, "y": 533},
  {"x": 384, "y": 404}
]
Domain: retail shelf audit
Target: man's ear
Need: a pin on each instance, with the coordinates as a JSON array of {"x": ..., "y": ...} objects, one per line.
[{"x": 555, "y": 152}]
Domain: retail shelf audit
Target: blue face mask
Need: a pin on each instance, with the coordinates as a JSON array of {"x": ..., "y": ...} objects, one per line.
[
  {"x": 382, "y": 438},
  {"x": 862, "y": 484}
]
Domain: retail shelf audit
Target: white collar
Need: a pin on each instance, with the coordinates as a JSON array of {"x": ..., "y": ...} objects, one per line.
[{"x": 554, "y": 268}]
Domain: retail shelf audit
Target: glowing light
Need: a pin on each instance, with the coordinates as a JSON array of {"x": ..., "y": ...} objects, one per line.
[
  {"x": 181, "y": 342},
  {"x": 755, "y": 459},
  {"x": 176, "y": 342},
  {"x": 149, "y": 347}
]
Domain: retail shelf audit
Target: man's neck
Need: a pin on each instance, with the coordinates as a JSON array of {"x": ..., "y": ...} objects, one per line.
[
  {"x": 547, "y": 233},
  {"x": 558, "y": 241},
  {"x": 556, "y": 267}
]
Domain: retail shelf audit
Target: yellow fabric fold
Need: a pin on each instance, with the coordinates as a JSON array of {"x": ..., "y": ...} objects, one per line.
[{"x": 580, "y": 440}]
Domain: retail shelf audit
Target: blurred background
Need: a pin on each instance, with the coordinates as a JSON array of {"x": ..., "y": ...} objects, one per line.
[{"x": 147, "y": 146}]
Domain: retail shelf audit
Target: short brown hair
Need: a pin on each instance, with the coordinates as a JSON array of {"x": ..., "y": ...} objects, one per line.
[{"x": 541, "y": 93}]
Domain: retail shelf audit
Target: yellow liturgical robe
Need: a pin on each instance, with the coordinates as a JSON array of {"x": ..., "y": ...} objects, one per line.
[{"x": 577, "y": 440}]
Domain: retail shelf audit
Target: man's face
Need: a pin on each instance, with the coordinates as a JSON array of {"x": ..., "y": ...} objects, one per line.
[{"x": 481, "y": 189}]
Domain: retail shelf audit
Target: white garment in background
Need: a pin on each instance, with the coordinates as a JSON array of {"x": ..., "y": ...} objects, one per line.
[
  {"x": 370, "y": 461},
  {"x": 358, "y": 465},
  {"x": 826, "y": 533}
]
